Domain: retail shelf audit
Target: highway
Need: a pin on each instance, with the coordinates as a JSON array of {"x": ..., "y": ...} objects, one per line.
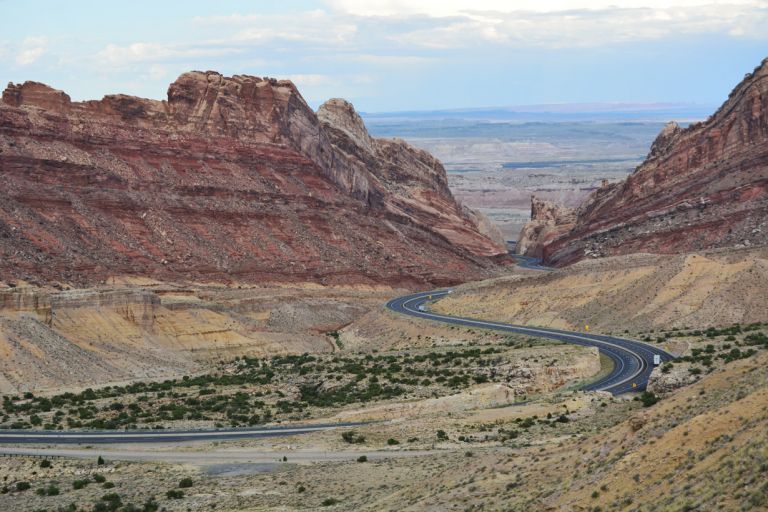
[
  {"x": 632, "y": 365},
  {"x": 157, "y": 436},
  {"x": 528, "y": 262},
  {"x": 632, "y": 360}
]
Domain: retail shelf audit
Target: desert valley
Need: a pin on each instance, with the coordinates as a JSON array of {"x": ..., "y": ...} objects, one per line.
[{"x": 230, "y": 300}]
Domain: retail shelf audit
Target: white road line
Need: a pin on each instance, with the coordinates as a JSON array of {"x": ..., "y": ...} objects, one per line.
[
  {"x": 131, "y": 435},
  {"x": 641, "y": 362}
]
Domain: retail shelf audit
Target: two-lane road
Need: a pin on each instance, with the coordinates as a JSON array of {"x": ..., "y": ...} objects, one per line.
[
  {"x": 158, "y": 436},
  {"x": 632, "y": 360}
]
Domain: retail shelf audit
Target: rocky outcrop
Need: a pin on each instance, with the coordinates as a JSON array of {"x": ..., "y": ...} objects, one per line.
[
  {"x": 702, "y": 187},
  {"x": 231, "y": 179},
  {"x": 548, "y": 221}
]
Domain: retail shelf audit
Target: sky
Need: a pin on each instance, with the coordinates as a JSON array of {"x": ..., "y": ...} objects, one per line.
[{"x": 394, "y": 55}]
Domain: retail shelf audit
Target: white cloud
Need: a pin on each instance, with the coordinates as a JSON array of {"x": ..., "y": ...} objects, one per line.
[
  {"x": 32, "y": 48},
  {"x": 584, "y": 28},
  {"x": 152, "y": 52},
  {"x": 438, "y": 8},
  {"x": 556, "y": 23},
  {"x": 308, "y": 26}
]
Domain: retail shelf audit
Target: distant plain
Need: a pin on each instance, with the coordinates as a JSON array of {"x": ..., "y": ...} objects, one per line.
[{"x": 497, "y": 159}]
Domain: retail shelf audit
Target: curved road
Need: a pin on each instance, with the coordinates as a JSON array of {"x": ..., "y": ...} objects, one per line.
[
  {"x": 157, "y": 436},
  {"x": 528, "y": 262},
  {"x": 632, "y": 365},
  {"x": 632, "y": 360}
]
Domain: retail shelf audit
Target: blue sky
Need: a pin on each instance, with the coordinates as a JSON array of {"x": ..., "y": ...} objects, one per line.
[{"x": 389, "y": 55}]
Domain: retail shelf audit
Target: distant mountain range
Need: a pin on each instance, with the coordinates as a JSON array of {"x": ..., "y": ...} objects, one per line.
[{"x": 556, "y": 112}]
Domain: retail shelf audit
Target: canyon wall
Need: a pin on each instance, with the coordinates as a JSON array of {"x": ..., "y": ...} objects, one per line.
[
  {"x": 701, "y": 187},
  {"x": 232, "y": 179}
]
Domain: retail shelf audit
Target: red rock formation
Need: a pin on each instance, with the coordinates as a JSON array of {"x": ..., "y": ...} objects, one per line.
[
  {"x": 230, "y": 179},
  {"x": 548, "y": 221},
  {"x": 702, "y": 187}
]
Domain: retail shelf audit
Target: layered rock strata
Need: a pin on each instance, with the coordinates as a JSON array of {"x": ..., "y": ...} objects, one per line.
[
  {"x": 231, "y": 179},
  {"x": 701, "y": 187}
]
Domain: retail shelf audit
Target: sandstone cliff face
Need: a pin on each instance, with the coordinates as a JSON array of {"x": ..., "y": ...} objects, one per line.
[
  {"x": 705, "y": 186},
  {"x": 230, "y": 179},
  {"x": 548, "y": 221},
  {"x": 403, "y": 180}
]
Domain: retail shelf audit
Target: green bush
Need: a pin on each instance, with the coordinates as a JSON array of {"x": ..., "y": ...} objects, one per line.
[
  {"x": 79, "y": 484},
  {"x": 45, "y": 463},
  {"x": 328, "y": 502},
  {"x": 352, "y": 437},
  {"x": 22, "y": 486},
  {"x": 174, "y": 494},
  {"x": 392, "y": 442},
  {"x": 186, "y": 483},
  {"x": 99, "y": 479},
  {"x": 441, "y": 435},
  {"x": 648, "y": 398},
  {"x": 113, "y": 499},
  {"x": 362, "y": 458}
]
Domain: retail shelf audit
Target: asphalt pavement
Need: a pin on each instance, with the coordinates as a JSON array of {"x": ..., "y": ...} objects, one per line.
[{"x": 633, "y": 360}]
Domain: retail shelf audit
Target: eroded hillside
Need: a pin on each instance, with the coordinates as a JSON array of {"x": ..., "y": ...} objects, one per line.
[
  {"x": 701, "y": 187},
  {"x": 232, "y": 179},
  {"x": 635, "y": 292}
]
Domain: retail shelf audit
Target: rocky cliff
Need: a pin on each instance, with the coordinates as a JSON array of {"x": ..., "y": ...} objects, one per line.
[
  {"x": 231, "y": 179},
  {"x": 548, "y": 221},
  {"x": 701, "y": 187}
]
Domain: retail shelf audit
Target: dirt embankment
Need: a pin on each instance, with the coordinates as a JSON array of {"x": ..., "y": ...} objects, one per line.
[
  {"x": 51, "y": 339},
  {"x": 635, "y": 292}
]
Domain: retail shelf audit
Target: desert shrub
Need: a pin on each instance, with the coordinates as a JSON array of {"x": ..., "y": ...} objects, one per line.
[
  {"x": 174, "y": 494},
  {"x": 186, "y": 483},
  {"x": 362, "y": 458},
  {"x": 22, "y": 486},
  {"x": 648, "y": 398},
  {"x": 79, "y": 484},
  {"x": 352, "y": 437}
]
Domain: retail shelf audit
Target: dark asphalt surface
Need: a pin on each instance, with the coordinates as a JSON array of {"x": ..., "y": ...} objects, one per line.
[
  {"x": 157, "y": 436},
  {"x": 632, "y": 360}
]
